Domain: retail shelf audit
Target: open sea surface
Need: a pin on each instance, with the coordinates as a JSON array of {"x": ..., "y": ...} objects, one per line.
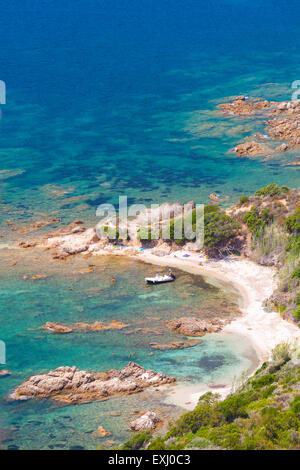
[{"x": 119, "y": 97}]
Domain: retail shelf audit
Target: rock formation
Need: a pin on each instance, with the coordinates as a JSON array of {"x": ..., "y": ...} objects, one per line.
[
  {"x": 284, "y": 124},
  {"x": 288, "y": 129},
  {"x": 250, "y": 148},
  {"x": 56, "y": 327},
  {"x": 191, "y": 326},
  {"x": 243, "y": 106},
  {"x": 101, "y": 432},
  {"x": 72, "y": 243},
  {"x": 69, "y": 385},
  {"x": 146, "y": 422}
]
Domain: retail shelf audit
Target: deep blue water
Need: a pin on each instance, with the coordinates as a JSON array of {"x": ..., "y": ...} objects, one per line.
[
  {"x": 110, "y": 97},
  {"x": 119, "y": 97}
]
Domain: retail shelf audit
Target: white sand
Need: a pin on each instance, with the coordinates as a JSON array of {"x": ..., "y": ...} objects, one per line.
[{"x": 255, "y": 283}]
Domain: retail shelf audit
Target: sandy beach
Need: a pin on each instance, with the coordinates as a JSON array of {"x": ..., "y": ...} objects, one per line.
[{"x": 255, "y": 283}]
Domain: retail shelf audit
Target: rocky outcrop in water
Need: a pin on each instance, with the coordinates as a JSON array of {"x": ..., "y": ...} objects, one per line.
[
  {"x": 287, "y": 128},
  {"x": 56, "y": 327},
  {"x": 70, "y": 385},
  {"x": 243, "y": 106},
  {"x": 147, "y": 421},
  {"x": 250, "y": 148},
  {"x": 191, "y": 326},
  {"x": 284, "y": 127},
  {"x": 101, "y": 432},
  {"x": 78, "y": 241}
]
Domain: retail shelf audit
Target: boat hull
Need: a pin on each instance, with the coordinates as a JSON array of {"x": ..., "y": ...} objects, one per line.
[{"x": 153, "y": 281}]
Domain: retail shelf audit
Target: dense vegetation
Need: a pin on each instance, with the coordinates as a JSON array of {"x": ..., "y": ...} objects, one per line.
[
  {"x": 219, "y": 229},
  {"x": 272, "y": 190},
  {"x": 273, "y": 219},
  {"x": 263, "y": 413}
]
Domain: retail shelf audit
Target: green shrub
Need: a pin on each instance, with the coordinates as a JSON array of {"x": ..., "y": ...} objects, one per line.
[
  {"x": 268, "y": 391},
  {"x": 262, "y": 381},
  {"x": 263, "y": 367},
  {"x": 244, "y": 200},
  {"x": 269, "y": 190},
  {"x": 200, "y": 443},
  {"x": 258, "y": 405},
  {"x": 295, "y": 405},
  {"x": 157, "y": 444},
  {"x": 209, "y": 398},
  {"x": 282, "y": 352},
  {"x": 277, "y": 425},
  {"x": 218, "y": 227},
  {"x": 284, "y": 190},
  {"x": 272, "y": 190},
  {"x": 256, "y": 220},
  {"x": 137, "y": 441},
  {"x": 296, "y": 273},
  {"x": 203, "y": 415},
  {"x": 296, "y": 313},
  {"x": 292, "y": 222},
  {"x": 235, "y": 406},
  {"x": 227, "y": 436},
  {"x": 209, "y": 209}
]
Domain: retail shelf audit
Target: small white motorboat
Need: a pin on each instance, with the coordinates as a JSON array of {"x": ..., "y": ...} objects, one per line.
[{"x": 158, "y": 279}]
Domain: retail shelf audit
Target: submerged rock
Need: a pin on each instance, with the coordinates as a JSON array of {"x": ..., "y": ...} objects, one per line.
[
  {"x": 175, "y": 345},
  {"x": 70, "y": 385},
  {"x": 147, "y": 421},
  {"x": 57, "y": 327},
  {"x": 102, "y": 432},
  {"x": 191, "y": 326}
]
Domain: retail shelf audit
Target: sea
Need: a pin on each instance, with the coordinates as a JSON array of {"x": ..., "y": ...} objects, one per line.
[{"x": 108, "y": 98}]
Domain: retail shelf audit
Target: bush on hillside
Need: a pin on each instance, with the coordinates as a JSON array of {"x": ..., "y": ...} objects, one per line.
[
  {"x": 256, "y": 220},
  {"x": 282, "y": 352},
  {"x": 244, "y": 200},
  {"x": 272, "y": 190},
  {"x": 218, "y": 226},
  {"x": 137, "y": 441}
]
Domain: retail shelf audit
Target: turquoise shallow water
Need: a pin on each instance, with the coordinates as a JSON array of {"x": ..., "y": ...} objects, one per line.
[
  {"x": 120, "y": 97},
  {"x": 145, "y": 309}
]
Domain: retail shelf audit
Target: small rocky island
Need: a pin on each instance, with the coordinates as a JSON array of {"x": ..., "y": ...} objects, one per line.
[
  {"x": 62, "y": 328},
  {"x": 70, "y": 385}
]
